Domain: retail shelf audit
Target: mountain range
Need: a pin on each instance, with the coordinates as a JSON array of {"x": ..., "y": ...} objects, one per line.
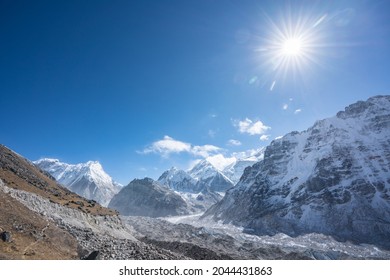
[
  {"x": 333, "y": 178},
  {"x": 204, "y": 185}
]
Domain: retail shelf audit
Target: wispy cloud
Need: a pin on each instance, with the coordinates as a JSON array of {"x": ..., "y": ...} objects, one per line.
[
  {"x": 204, "y": 151},
  {"x": 212, "y": 133},
  {"x": 297, "y": 111},
  {"x": 168, "y": 145},
  {"x": 250, "y": 127},
  {"x": 233, "y": 142},
  {"x": 285, "y": 106},
  {"x": 264, "y": 137}
]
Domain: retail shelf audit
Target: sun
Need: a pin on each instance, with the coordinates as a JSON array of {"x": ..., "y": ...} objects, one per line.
[{"x": 292, "y": 47}]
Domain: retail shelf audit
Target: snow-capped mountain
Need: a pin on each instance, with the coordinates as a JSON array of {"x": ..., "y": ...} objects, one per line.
[
  {"x": 205, "y": 172},
  {"x": 202, "y": 186},
  {"x": 147, "y": 197},
  {"x": 235, "y": 170},
  {"x": 180, "y": 181},
  {"x": 333, "y": 178},
  {"x": 196, "y": 193},
  {"x": 86, "y": 179}
]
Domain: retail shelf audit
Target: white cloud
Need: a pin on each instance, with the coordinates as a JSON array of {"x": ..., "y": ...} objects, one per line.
[
  {"x": 250, "y": 127},
  {"x": 285, "y": 106},
  {"x": 233, "y": 142},
  {"x": 205, "y": 150},
  {"x": 219, "y": 161},
  {"x": 168, "y": 146},
  {"x": 264, "y": 137},
  {"x": 297, "y": 111},
  {"x": 278, "y": 137}
]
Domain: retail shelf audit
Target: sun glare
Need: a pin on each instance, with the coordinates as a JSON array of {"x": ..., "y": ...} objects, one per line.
[{"x": 292, "y": 47}]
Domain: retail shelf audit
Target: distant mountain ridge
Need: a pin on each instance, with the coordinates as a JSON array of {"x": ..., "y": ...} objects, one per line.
[
  {"x": 333, "y": 178},
  {"x": 204, "y": 185},
  {"x": 86, "y": 179},
  {"x": 205, "y": 174}
]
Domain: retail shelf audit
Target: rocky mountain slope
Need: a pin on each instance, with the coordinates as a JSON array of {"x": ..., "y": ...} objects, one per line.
[
  {"x": 86, "y": 179},
  {"x": 31, "y": 236},
  {"x": 44, "y": 220},
  {"x": 333, "y": 178},
  {"x": 147, "y": 197}
]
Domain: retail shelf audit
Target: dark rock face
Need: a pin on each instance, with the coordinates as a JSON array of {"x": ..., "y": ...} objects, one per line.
[
  {"x": 94, "y": 255},
  {"x": 149, "y": 198},
  {"x": 333, "y": 178},
  {"x": 5, "y": 236}
]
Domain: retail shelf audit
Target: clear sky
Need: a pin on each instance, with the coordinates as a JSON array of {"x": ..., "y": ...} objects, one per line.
[{"x": 145, "y": 85}]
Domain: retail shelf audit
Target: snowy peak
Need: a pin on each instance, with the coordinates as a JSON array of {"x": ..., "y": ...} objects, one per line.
[
  {"x": 376, "y": 105},
  {"x": 179, "y": 180},
  {"x": 235, "y": 170},
  {"x": 205, "y": 172},
  {"x": 86, "y": 179}
]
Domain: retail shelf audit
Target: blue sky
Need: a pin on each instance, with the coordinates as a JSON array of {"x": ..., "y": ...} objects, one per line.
[{"x": 144, "y": 85}]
